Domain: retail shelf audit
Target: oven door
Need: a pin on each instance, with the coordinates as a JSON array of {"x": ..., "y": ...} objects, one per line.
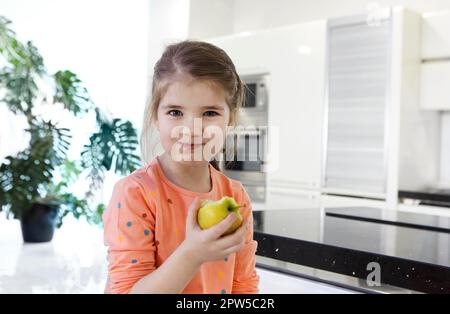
[
  {"x": 255, "y": 96},
  {"x": 249, "y": 149}
]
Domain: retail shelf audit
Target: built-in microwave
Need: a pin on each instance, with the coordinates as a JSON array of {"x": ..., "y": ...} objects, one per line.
[{"x": 256, "y": 95}]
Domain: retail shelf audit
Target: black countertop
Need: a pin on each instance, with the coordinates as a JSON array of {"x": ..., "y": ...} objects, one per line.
[
  {"x": 434, "y": 197},
  {"x": 412, "y": 251}
]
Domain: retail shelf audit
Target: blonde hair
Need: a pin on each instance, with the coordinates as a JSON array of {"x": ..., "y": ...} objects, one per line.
[{"x": 195, "y": 60}]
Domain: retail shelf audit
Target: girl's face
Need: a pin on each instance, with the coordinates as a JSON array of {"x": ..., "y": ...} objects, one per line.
[{"x": 192, "y": 118}]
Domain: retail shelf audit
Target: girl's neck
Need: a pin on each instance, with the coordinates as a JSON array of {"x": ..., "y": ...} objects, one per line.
[{"x": 194, "y": 176}]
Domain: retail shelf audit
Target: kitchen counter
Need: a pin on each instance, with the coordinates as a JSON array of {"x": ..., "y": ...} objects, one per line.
[
  {"x": 341, "y": 245},
  {"x": 75, "y": 262},
  {"x": 434, "y": 197},
  {"x": 331, "y": 253}
]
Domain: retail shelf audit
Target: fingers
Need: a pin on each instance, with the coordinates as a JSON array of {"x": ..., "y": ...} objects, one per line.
[
  {"x": 191, "y": 220},
  {"x": 234, "y": 249},
  {"x": 234, "y": 238},
  {"x": 216, "y": 231}
]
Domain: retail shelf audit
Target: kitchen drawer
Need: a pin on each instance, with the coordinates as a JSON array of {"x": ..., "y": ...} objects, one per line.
[
  {"x": 344, "y": 201},
  {"x": 425, "y": 209},
  {"x": 274, "y": 282},
  {"x": 435, "y": 94},
  {"x": 285, "y": 198}
]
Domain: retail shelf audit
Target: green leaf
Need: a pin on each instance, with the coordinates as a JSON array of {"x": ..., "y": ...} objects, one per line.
[
  {"x": 113, "y": 147},
  {"x": 70, "y": 92}
]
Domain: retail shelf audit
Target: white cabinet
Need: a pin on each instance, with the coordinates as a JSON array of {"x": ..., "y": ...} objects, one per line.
[
  {"x": 297, "y": 107},
  {"x": 342, "y": 201},
  {"x": 378, "y": 140},
  {"x": 275, "y": 282},
  {"x": 293, "y": 57},
  {"x": 435, "y": 35},
  {"x": 425, "y": 209},
  {"x": 435, "y": 92},
  {"x": 435, "y": 71},
  {"x": 289, "y": 198},
  {"x": 357, "y": 84}
]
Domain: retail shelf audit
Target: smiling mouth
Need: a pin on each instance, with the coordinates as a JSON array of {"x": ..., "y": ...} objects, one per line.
[{"x": 191, "y": 146}]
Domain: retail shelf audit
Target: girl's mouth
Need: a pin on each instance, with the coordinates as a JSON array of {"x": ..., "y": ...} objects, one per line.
[{"x": 189, "y": 146}]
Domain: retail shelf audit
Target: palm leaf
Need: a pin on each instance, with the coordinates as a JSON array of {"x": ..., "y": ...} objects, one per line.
[
  {"x": 70, "y": 92},
  {"x": 111, "y": 148}
]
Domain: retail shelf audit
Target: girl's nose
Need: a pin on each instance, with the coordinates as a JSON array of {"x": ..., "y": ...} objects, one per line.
[{"x": 195, "y": 126}]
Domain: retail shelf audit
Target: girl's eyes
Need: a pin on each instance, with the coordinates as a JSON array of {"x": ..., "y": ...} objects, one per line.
[
  {"x": 211, "y": 113},
  {"x": 175, "y": 113},
  {"x": 178, "y": 113}
]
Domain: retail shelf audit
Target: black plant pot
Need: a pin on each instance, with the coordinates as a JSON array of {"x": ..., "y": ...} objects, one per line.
[{"x": 38, "y": 224}]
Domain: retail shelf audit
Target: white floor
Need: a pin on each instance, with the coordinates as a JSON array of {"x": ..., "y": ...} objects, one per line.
[{"x": 75, "y": 262}]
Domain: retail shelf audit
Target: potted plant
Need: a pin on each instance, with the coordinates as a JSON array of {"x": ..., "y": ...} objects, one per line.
[{"x": 35, "y": 183}]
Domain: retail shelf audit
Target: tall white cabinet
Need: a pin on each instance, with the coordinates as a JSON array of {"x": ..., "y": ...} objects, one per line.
[
  {"x": 436, "y": 68},
  {"x": 294, "y": 58},
  {"x": 356, "y": 103},
  {"x": 378, "y": 139}
]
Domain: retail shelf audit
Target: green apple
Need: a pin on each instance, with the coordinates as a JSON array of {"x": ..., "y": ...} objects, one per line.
[{"x": 211, "y": 213}]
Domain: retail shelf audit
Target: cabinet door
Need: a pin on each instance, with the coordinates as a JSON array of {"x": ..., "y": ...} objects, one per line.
[
  {"x": 434, "y": 78},
  {"x": 435, "y": 36},
  {"x": 297, "y": 107},
  {"x": 285, "y": 198},
  {"x": 425, "y": 209},
  {"x": 275, "y": 282},
  {"x": 342, "y": 201},
  {"x": 358, "y": 70}
]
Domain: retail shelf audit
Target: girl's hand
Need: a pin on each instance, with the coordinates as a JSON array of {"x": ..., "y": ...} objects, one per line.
[{"x": 208, "y": 245}]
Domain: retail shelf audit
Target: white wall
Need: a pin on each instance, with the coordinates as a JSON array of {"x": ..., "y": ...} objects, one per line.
[
  {"x": 258, "y": 14},
  {"x": 168, "y": 22},
  {"x": 211, "y": 18},
  {"x": 103, "y": 41}
]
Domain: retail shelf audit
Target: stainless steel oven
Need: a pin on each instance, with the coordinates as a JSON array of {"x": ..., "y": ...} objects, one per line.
[
  {"x": 246, "y": 144},
  {"x": 247, "y": 149}
]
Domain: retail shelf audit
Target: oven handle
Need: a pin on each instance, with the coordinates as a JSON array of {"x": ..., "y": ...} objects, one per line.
[{"x": 247, "y": 132}]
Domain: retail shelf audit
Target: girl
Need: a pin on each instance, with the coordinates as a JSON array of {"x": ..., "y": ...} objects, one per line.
[{"x": 155, "y": 244}]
